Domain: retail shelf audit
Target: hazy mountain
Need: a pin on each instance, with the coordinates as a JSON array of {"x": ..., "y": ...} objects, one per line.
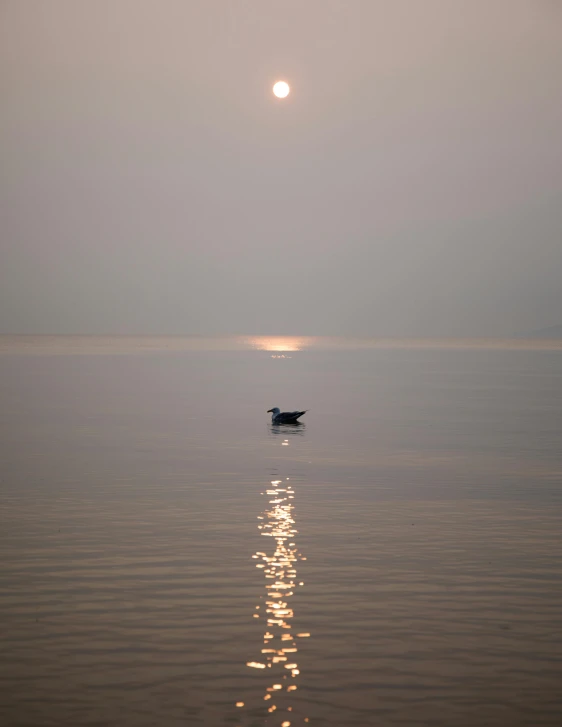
[{"x": 550, "y": 332}]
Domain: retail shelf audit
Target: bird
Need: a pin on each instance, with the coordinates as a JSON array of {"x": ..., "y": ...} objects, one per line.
[{"x": 285, "y": 417}]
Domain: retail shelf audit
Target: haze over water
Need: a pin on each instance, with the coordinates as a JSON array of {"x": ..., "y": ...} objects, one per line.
[{"x": 168, "y": 554}]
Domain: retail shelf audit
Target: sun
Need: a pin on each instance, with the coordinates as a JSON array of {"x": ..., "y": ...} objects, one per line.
[{"x": 281, "y": 89}]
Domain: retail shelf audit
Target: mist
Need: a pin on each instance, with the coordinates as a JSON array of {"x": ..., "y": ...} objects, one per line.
[{"x": 409, "y": 185}]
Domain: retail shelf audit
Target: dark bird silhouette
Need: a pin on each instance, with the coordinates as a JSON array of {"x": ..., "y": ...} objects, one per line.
[{"x": 285, "y": 417}]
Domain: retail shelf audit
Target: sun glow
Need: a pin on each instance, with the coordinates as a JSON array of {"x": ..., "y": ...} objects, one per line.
[
  {"x": 278, "y": 344},
  {"x": 281, "y": 89}
]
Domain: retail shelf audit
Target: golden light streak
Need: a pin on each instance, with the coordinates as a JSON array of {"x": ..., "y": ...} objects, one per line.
[{"x": 279, "y": 565}]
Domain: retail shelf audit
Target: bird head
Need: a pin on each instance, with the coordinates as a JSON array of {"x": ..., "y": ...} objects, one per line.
[{"x": 275, "y": 410}]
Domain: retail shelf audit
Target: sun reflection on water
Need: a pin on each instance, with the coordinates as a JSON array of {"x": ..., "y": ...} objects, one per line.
[{"x": 277, "y": 658}]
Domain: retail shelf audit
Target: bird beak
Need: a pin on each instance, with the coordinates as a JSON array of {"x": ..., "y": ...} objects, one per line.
[{"x": 269, "y": 411}]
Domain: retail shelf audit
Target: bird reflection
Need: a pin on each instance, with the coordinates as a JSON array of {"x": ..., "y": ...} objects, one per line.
[
  {"x": 292, "y": 429},
  {"x": 278, "y": 559}
]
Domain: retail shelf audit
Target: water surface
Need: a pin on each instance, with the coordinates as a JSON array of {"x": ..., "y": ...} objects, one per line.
[{"x": 409, "y": 532}]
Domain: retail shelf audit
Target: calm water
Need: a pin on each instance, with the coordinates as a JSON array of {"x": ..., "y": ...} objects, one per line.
[{"x": 166, "y": 553}]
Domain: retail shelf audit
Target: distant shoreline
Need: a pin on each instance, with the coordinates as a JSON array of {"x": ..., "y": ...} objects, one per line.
[{"x": 130, "y": 344}]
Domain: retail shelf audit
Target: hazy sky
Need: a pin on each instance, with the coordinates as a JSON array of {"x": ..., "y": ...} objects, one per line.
[{"x": 411, "y": 184}]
